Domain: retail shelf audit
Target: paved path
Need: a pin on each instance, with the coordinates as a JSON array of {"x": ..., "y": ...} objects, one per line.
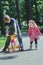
[{"x": 34, "y": 57}]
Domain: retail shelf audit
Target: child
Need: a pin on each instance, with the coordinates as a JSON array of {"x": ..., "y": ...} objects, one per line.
[
  {"x": 33, "y": 33},
  {"x": 13, "y": 42}
]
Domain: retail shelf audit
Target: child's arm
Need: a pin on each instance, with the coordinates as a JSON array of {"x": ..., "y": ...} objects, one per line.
[
  {"x": 38, "y": 31},
  {"x": 29, "y": 31}
]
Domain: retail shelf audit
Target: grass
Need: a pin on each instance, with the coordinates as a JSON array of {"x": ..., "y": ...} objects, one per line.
[{"x": 2, "y": 41}]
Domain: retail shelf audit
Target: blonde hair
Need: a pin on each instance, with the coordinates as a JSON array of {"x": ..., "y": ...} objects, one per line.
[{"x": 32, "y": 21}]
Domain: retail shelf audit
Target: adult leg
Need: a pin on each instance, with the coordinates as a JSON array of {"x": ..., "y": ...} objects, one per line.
[
  {"x": 6, "y": 44},
  {"x": 20, "y": 43}
]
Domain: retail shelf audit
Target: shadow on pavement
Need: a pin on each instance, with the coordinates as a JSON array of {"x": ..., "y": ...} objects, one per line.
[
  {"x": 19, "y": 51},
  {"x": 8, "y": 57}
]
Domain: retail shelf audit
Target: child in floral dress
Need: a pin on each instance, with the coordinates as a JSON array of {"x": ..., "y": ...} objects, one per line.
[{"x": 33, "y": 33}]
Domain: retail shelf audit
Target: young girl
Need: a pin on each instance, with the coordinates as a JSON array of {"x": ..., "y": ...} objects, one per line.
[
  {"x": 13, "y": 41},
  {"x": 33, "y": 33}
]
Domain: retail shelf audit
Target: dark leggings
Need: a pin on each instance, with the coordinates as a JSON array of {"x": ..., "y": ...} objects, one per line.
[{"x": 35, "y": 41}]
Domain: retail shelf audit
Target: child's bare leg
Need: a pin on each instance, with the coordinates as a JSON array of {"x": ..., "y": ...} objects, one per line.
[
  {"x": 12, "y": 47},
  {"x": 8, "y": 49},
  {"x": 13, "y": 44}
]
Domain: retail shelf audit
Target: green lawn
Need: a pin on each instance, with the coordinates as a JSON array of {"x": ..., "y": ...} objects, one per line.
[{"x": 2, "y": 41}]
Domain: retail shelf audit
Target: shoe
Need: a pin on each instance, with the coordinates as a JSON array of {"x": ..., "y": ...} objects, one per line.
[
  {"x": 3, "y": 51},
  {"x": 35, "y": 48},
  {"x": 30, "y": 48},
  {"x": 22, "y": 50}
]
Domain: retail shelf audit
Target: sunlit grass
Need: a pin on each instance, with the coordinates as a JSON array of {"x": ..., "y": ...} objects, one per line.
[{"x": 2, "y": 41}]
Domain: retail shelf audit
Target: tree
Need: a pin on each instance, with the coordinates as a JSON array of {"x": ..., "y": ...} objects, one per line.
[
  {"x": 18, "y": 12},
  {"x": 1, "y": 19},
  {"x": 36, "y": 13},
  {"x": 28, "y": 8}
]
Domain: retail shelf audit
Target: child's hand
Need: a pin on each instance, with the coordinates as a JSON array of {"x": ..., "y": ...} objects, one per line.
[
  {"x": 15, "y": 33},
  {"x": 7, "y": 34}
]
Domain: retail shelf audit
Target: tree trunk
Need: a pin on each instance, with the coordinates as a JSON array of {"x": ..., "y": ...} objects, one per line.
[
  {"x": 36, "y": 13},
  {"x": 1, "y": 19},
  {"x": 18, "y": 12},
  {"x": 28, "y": 8}
]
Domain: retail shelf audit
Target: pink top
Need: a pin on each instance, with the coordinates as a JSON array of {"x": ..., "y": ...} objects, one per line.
[{"x": 33, "y": 33}]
